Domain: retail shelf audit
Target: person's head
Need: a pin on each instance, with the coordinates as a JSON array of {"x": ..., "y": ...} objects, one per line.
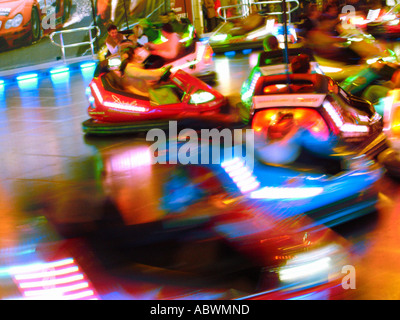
[
  {"x": 113, "y": 31},
  {"x": 164, "y": 18},
  {"x": 172, "y": 16},
  {"x": 326, "y": 23},
  {"x": 313, "y": 11},
  {"x": 332, "y": 10},
  {"x": 270, "y": 43},
  {"x": 166, "y": 30},
  {"x": 301, "y": 64},
  {"x": 132, "y": 54}
]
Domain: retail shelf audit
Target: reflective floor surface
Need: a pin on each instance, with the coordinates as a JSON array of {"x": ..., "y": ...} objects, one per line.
[{"x": 50, "y": 169}]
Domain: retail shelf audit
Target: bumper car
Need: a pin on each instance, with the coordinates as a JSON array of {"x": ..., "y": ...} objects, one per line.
[
  {"x": 386, "y": 25},
  {"x": 249, "y": 31},
  {"x": 347, "y": 123},
  {"x": 365, "y": 51},
  {"x": 208, "y": 252},
  {"x": 386, "y": 102},
  {"x": 179, "y": 96}
]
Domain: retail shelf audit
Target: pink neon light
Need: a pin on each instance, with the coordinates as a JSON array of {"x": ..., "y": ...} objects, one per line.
[{"x": 58, "y": 280}]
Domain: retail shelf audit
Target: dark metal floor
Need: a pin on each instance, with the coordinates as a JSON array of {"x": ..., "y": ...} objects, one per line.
[{"x": 49, "y": 168}]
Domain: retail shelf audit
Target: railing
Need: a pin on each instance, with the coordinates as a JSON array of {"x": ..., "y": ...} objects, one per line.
[
  {"x": 63, "y": 46},
  {"x": 246, "y": 8}
]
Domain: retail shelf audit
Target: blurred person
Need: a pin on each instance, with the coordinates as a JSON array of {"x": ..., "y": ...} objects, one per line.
[
  {"x": 270, "y": 43},
  {"x": 231, "y": 12},
  {"x": 323, "y": 41},
  {"x": 113, "y": 39},
  {"x": 391, "y": 77},
  {"x": 134, "y": 78},
  {"x": 103, "y": 66},
  {"x": 301, "y": 64},
  {"x": 163, "y": 19},
  {"x": 108, "y": 10},
  {"x": 217, "y": 5},
  {"x": 310, "y": 20},
  {"x": 169, "y": 49},
  {"x": 249, "y": 23},
  {"x": 177, "y": 26},
  {"x": 147, "y": 29},
  {"x": 211, "y": 17},
  {"x": 331, "y": 11}
]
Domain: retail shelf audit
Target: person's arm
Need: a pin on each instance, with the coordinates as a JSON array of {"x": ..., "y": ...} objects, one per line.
[{"x": 145, "y": 74}]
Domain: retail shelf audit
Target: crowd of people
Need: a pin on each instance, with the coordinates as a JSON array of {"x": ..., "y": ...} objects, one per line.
[
  {"x": 319, "y": 27},
  {"x": 137, "y": 54}
]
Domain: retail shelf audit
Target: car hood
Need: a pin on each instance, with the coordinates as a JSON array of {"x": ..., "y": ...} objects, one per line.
[{"x": 9, "y": 8}]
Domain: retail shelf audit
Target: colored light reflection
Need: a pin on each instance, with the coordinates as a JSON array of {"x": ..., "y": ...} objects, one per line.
[
  {"x": 57, "y": 280},
  {"x": 2, "y": 85},
  {"x": 87, "y": 70}
]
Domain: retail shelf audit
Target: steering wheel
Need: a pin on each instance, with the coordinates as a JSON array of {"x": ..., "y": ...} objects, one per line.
[{"x": 165, "y": 76}]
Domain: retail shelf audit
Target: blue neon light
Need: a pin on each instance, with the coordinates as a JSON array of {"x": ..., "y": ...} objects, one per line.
[
  {"x": 27, "y": 77},
  {"x": 230, "y": 53},
  {"x": 88, "y": 65},
  {"x": 59, "y": 70}
]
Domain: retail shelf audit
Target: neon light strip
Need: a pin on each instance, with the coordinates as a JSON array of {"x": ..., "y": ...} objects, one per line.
[
  {"x": 125, "y": 107},
  {"x": 52, "y": 273},
  {"x": 286, "y": 193},
  {"x": 348, "y": 127},
  {"x": 333, "y": 114},
  {"x": 48, "y": 284},
  {"x": 57, "y": 291},
  {"x": 97, "y": 92},
  {"x": 241, "y": 175},
  {"x": 191, "y": 30},
  {"x": 81, "y": 295},
  {"x": 52, "y": 282},
  {"x": 344, "y": 127},
  {"x": 305, "y": 270},
  {"x": 40, "y": 266},
  {"x": 88, "y": 65},
  {"x": 60, "y": 70},
  {"x": 27, "y": 77}
]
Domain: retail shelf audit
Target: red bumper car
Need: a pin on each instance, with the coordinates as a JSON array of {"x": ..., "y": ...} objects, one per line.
[{"x": 182, "y": 98}]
